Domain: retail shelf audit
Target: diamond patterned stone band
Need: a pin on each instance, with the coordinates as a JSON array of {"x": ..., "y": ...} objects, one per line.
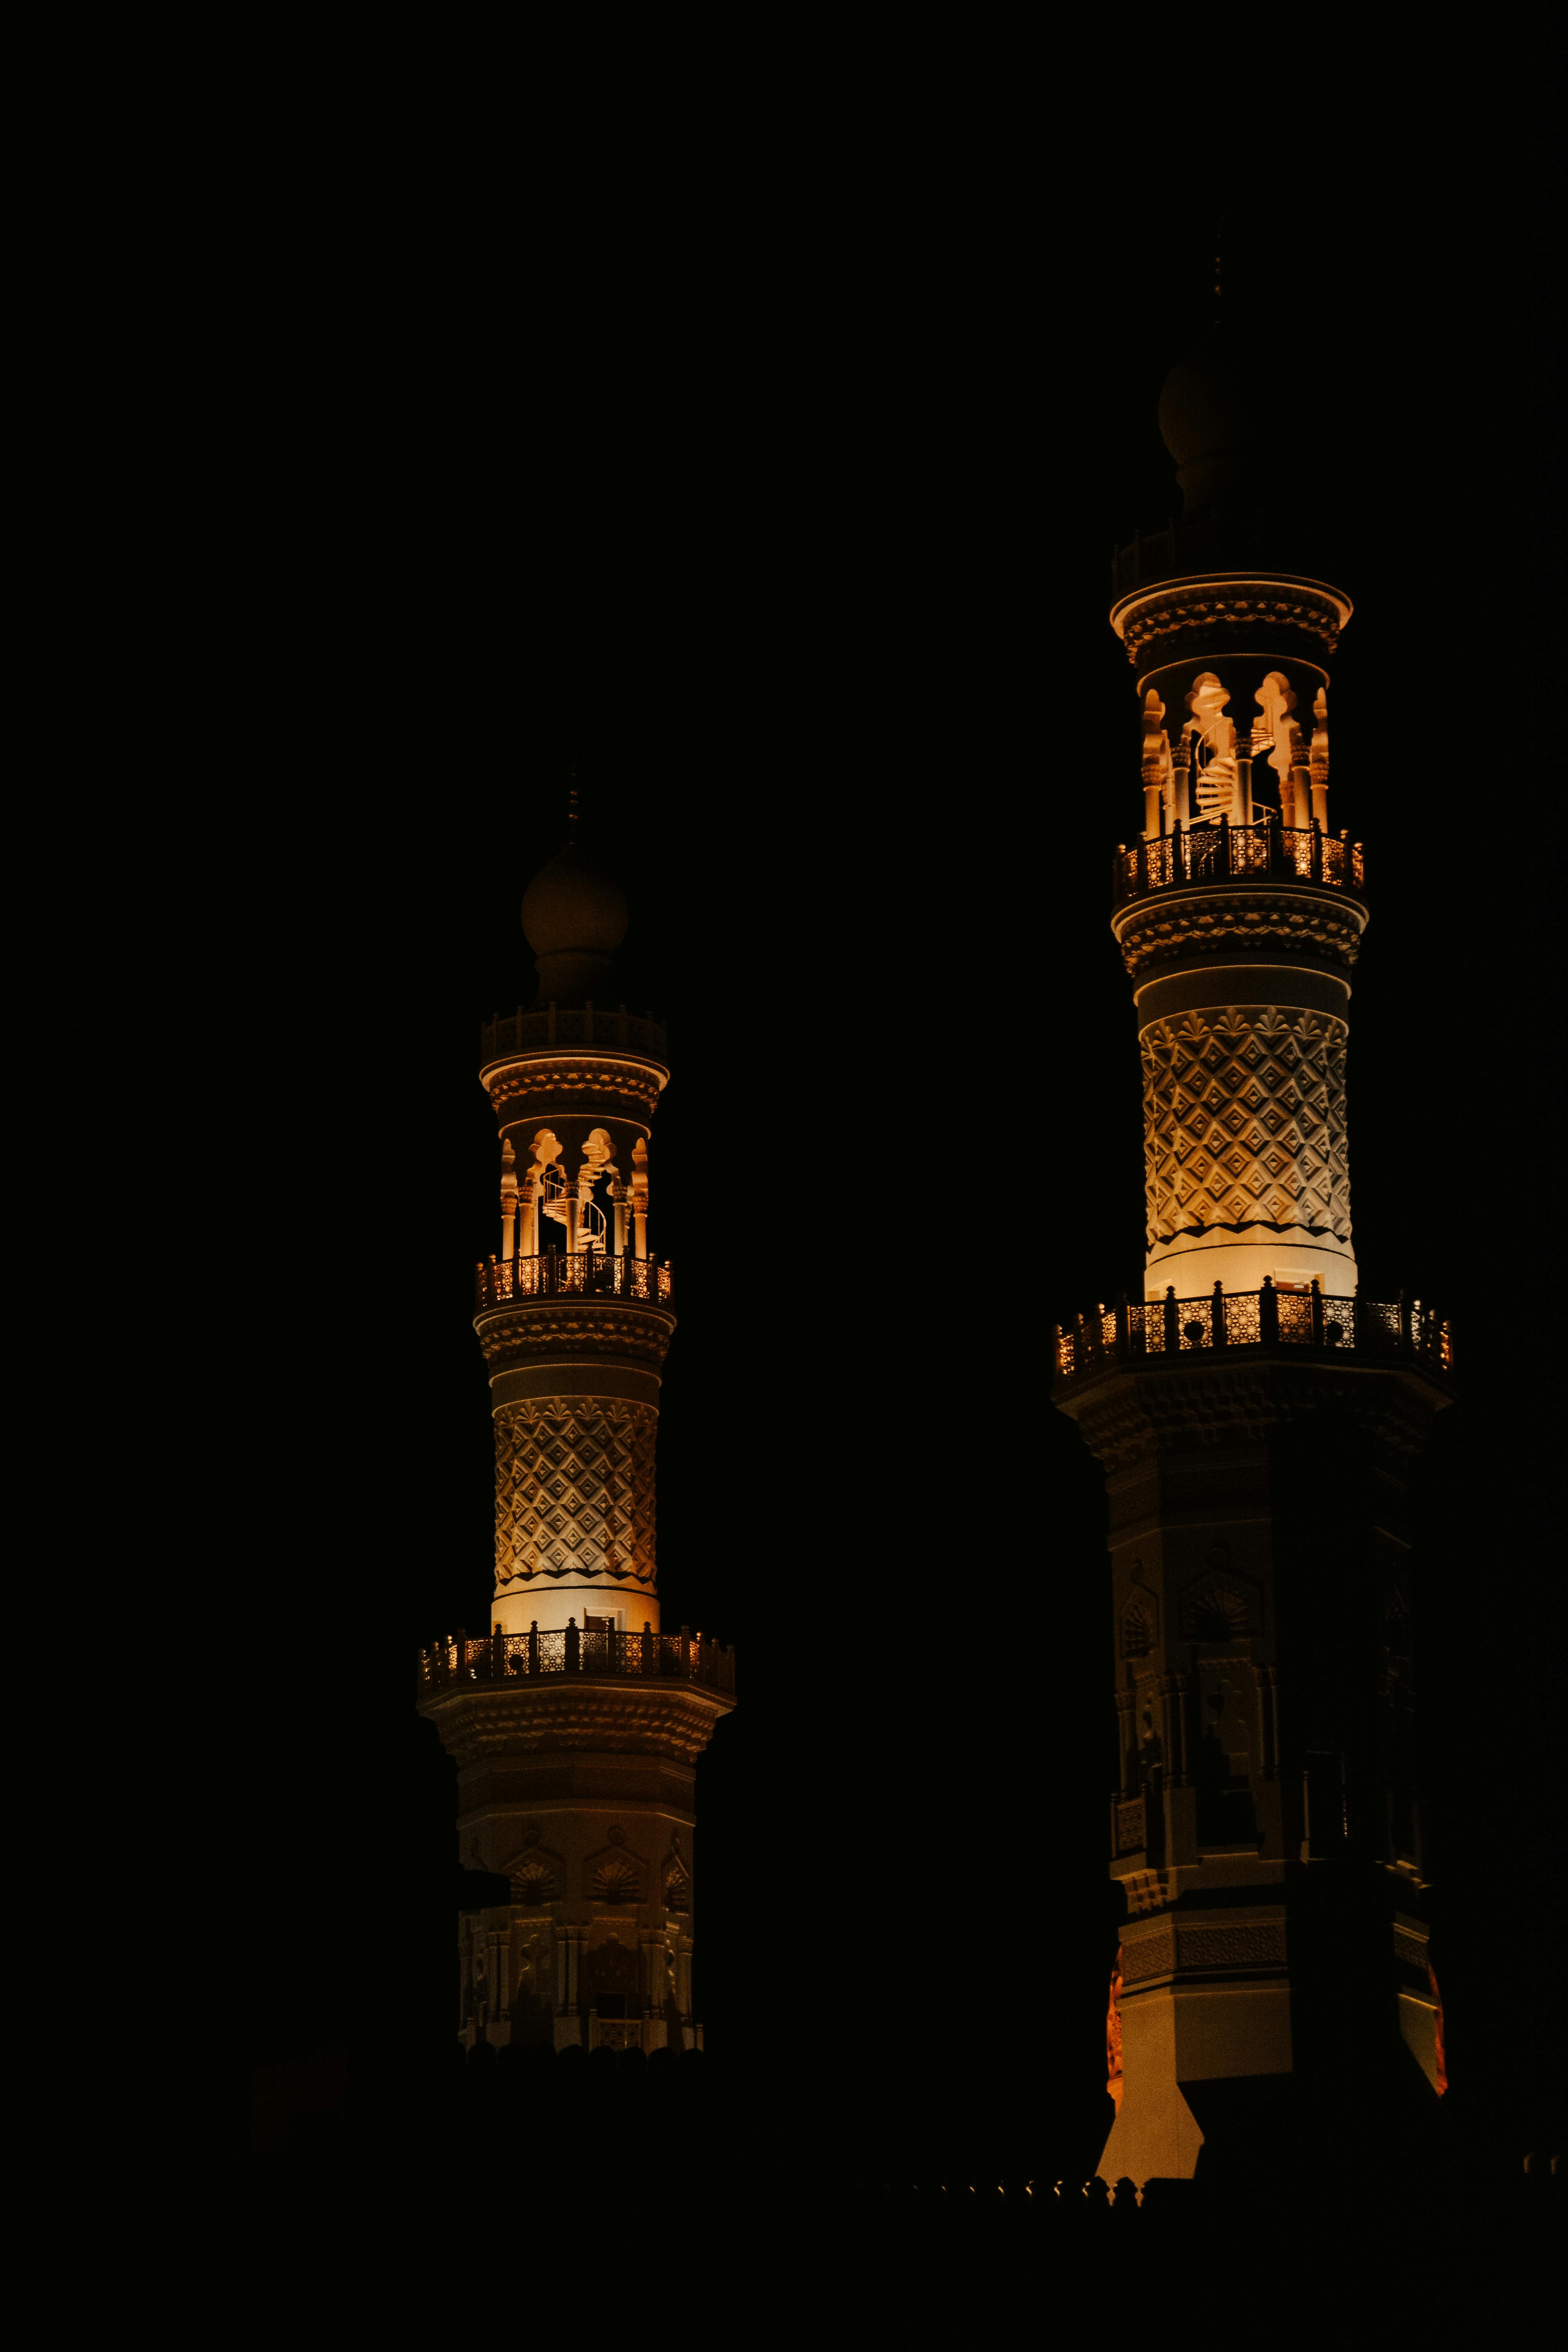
[
  {"x": 1244, "y": 1121},
  {"x": 574, "y": 1490}
]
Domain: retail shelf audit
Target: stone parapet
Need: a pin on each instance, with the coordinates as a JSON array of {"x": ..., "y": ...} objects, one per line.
[{"x": 552, "y": 1027}]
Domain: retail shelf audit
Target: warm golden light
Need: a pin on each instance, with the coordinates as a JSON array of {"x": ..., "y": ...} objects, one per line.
[{"x": 577, "y": 1720}]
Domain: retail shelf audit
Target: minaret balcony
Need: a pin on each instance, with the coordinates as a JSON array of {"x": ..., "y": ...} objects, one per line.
[
  {"x": 591, "y": 1652},
  {"x": 1238, "y": 853},
  {"x": 553, "y": 1028},
  {"x": 572, "y": 1274},
  {"x": 1251, "y": 1323}
]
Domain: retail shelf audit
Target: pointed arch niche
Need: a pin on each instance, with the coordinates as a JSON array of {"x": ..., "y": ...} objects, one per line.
[
  {"x": 1138, "y": 1630},
  {"x": 536, "y": 1876},
  {"x": 616, "y": 1876}
]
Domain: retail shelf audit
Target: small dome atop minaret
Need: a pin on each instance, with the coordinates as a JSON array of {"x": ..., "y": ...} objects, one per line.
[
  {"x": 1216, "y": 414},
  {"x": 574, "y": 917}
]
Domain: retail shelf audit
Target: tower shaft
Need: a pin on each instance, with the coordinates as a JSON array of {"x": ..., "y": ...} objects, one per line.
[
  {"x": 576, "y": 1719},
  {"x": 1258, "y": 1421}
]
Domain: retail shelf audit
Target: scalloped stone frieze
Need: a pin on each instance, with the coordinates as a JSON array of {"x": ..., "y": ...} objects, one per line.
[
  {"x": 523, "y": 1332},
  {"x": 1143, "y": 619},
  {"x": 1161, "y": 930},
  {"x": 1195, "y": 1404},
  {"x": 550, "y": 1078},
  {"x": 487, "y": 1725}
]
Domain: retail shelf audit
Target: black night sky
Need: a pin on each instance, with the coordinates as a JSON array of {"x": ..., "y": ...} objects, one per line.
[{"x": 788, "y": 526}]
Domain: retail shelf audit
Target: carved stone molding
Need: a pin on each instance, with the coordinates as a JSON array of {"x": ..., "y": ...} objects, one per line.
[
  {"x": 482, "y": 1725},
  {"x": 526, "y": 1330},
  {"x": 1168, "y": 608},
  {"x": 1152, "y": 1953},
  {"x": 1193, "y": 1403},
  {"x": 1164, "y": 927},
  {"x": 574, "y": 1490},
  {"x": 545, "y": 1079},
  {"x": 1254, "y": 1944},
  {"x": 1172, "y": 1945},
  {"x": 1244, "y": 1121}
]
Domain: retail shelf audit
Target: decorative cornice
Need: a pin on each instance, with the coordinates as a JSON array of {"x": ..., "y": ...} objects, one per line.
[
  {"x": 527, "y": 1330},
  {"x": 1192, "y": 1405},
  {"x": 547, "y": 1076},
  {"x": 1171, "y": 1944},
  {"x": 1227, "y": 600},
  {"x": 1156, "y": 930},
  {"x": 481, "y": 1725}
]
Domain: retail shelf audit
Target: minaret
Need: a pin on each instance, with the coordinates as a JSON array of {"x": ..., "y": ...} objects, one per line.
[
  {"x": 1256, "y": 1416},
  {"x": 576, "y": 1719}
]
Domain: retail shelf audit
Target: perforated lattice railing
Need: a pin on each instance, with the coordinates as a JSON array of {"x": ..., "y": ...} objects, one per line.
[
  {"x": 600, "y": 1652},
  {"x": 1224, "y": 852},
  {"x": 572, "y": 1274},
  {"x": 1257, "y": 1320}
]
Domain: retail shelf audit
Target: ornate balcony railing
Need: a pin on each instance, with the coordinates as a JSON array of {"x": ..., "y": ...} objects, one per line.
[
  {"x": 1239, "y": 852},
  {"x": 546, "y": 1031},
  {"x": 1134, "y": 1329},
  {"x": 598, "y": 1652},
  {"x": 571, "y": 1274}
]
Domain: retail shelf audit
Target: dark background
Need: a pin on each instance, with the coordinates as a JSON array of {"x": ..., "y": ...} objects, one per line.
[{"x": 779, "y": 508}]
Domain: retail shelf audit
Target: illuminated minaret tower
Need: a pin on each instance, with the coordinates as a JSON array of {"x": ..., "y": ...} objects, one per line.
[
  {"x": 1257, "y": 1417},
  {"x": 576, "y": 1719}
]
